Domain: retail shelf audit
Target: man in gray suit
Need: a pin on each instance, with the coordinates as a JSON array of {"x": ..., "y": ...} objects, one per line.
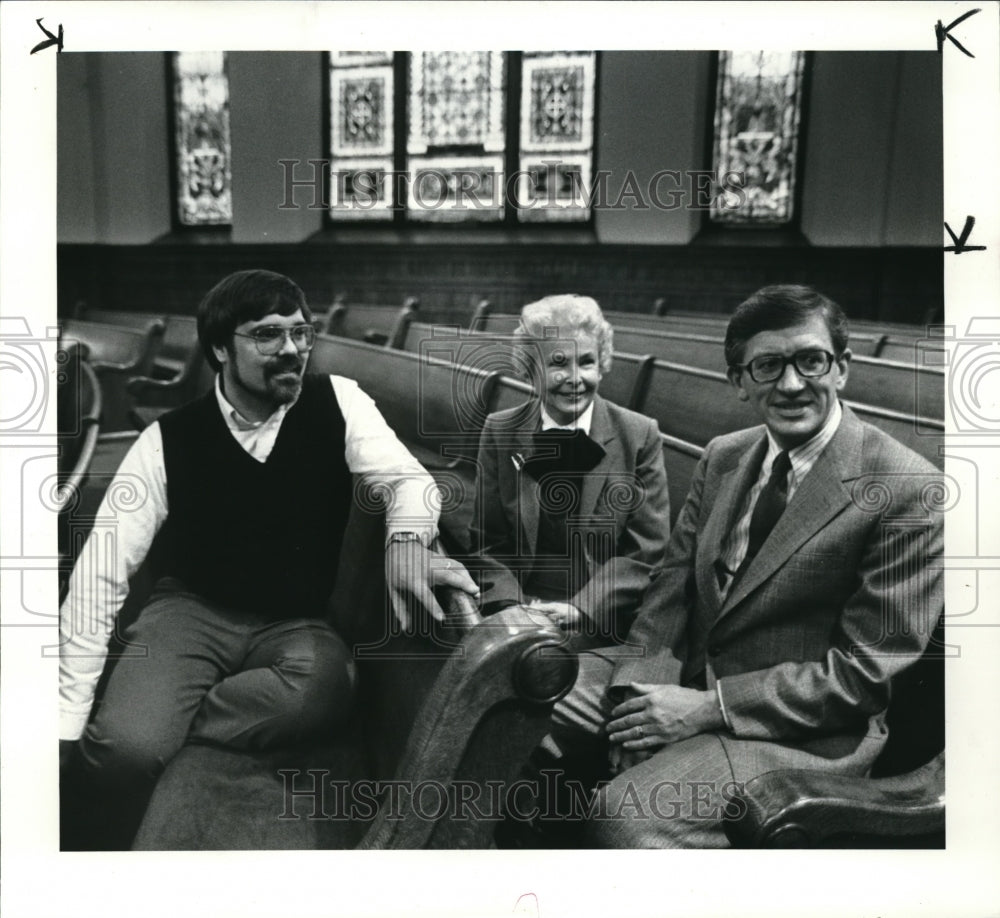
[{"x": 802, "y": 574}]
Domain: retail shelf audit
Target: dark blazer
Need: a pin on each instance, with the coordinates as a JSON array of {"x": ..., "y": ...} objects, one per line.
[
  {"x": 624, "y": 498},
  {"x": 844, "y": 594}
]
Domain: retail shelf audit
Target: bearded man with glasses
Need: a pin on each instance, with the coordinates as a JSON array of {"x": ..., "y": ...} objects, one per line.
[
  {"x": 246, "y": 497},
  {"x": 803, "y": 573}
]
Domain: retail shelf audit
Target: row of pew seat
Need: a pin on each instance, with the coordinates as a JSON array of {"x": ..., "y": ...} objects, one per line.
[
  {"x": 894, "y": 370},
  {"x": 867, "y": 341},
  {"x": 904, "y": 387},
  {"x": 140, "y": 359},
  {"x": 438, "y": 386}
]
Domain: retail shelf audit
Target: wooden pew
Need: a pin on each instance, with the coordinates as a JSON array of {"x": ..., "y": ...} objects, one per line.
[
  {"x": 497, "y": 323},
  {"x": 695, "y": 405},
  {"x": 898, "y": 386},
  {"x": 680, "y": 459},
  {"x": 434, "y": 406},
  {"x": 885, "y": 340},
  {"x": 623, "y": 385},
  {"x": 866, "y": 343},
  {"x": 902, "y": 330},
  {"x": 152, "y": 397},
  {"x": 177, "y": 346},
  {"x": 116, "y": 354},
  {"x": 373, "y": 324}
]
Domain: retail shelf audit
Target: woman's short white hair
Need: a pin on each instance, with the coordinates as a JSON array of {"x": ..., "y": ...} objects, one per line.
[{"x": 571, "y": 314}]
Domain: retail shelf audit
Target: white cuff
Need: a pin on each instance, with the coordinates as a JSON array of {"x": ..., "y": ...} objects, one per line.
[
  {"x": 72, "y": 724},
  {"x": 722, "y": 706}
]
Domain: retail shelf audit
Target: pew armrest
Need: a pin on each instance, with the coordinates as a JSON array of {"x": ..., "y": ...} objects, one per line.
[
  {"x": 800, "y": 808},
  {"x": 488, "y": 708}
]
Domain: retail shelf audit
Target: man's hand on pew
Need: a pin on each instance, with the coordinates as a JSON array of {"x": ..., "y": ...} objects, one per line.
[{"x": 412, "y": 572}]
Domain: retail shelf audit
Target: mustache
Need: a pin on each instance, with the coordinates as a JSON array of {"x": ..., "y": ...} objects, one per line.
[{"x": 285, "y": 364}]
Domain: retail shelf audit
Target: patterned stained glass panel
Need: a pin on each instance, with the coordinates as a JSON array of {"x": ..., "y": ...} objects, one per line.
[
  {"x": 557, "y": 102},
  {"x": 557, "y": 136},
  {"x": 757, "y": 113},
  {"x": 456, "y": 100},
  {"x": 362, "y": 91},
  {"x": 203, "y": 143},
  {"x": 362, "y": 111}
]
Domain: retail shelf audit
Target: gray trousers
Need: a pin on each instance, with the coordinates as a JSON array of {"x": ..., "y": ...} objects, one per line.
[
  {"x": 212, "y": 675},
  {"x": 674, "y": 799}
]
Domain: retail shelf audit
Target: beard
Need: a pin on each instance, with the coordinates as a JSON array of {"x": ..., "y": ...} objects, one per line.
[{"x": 283, "y": 379}]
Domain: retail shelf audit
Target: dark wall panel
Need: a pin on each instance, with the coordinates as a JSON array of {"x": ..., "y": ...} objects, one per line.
[{"x": 892, "y": 284}]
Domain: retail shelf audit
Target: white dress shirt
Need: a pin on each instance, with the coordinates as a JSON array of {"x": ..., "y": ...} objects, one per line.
[
  {"x": 583, "y": 422},
  {"x": 99, "y": 583}
]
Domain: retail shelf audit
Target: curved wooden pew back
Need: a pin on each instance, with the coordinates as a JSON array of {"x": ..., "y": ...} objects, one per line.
[
  {"x": 908, "y": 387},
  {"x": 435, "y": 407},
  {"x": 372, "y": 324},
  {"x": 696, "y": 405}
]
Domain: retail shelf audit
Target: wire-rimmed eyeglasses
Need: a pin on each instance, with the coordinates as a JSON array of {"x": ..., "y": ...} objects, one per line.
[
  {"x": 270, "y": 339},
  {"x": 809, "y": 364}
]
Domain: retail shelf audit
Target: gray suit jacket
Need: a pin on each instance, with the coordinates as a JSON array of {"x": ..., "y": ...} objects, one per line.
[
  {"x": 624, "y": 505},
  {"x": 844, "y": 594}
]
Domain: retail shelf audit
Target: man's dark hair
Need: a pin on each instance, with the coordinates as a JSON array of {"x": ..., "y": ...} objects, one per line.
[
  {"x": 782, "y": 306},
  {"x": 244, "y": 297}
]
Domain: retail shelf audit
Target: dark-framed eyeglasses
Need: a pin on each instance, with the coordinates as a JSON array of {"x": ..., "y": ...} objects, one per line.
[
  {"x": 770, "y": 367},
  {"x": 270, "y": 339}
]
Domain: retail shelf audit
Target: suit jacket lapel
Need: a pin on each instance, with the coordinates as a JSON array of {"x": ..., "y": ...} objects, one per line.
[
  {"x": 602, "y": 432},
  {"x": 527, "y": 497},
  {"x": 736, "y": 479},
  {"x": 820, "y": 497}
]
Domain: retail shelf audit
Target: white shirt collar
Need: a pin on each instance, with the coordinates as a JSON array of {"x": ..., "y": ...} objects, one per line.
[{"x": 581, "y": 423}]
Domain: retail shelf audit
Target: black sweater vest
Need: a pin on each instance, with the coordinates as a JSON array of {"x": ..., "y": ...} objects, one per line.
[{"x": 262, "y": 538}]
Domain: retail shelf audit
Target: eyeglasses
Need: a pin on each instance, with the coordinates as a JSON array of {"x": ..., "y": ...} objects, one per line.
[
  {"x": 270, "y": 339},
  {"x": 770, "y": 367}
]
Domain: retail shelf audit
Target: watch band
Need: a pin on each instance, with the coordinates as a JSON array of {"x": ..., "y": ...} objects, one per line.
[{"x": 403, "y": 537}]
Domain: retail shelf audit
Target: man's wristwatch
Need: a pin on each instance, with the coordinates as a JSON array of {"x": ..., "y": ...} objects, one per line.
[{"x": 403, "y": 537}]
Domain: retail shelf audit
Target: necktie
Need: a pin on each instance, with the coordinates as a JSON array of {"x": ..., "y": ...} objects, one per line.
[{"x": 770, "y": 505}]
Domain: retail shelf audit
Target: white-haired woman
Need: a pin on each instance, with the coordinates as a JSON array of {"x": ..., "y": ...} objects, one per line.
[{"x": 572, "y": 512}]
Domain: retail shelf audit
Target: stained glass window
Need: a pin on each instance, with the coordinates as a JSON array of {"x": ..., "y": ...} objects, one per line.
[
  {"x": 757, "y": 112},
  {"x": 455, "y": 145},
  {"x": 201, "y": 125},
  {"x": 456, "y": 135},
  {"x": 557, "y": 135},
  {"x": 361, "y": 135}
]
